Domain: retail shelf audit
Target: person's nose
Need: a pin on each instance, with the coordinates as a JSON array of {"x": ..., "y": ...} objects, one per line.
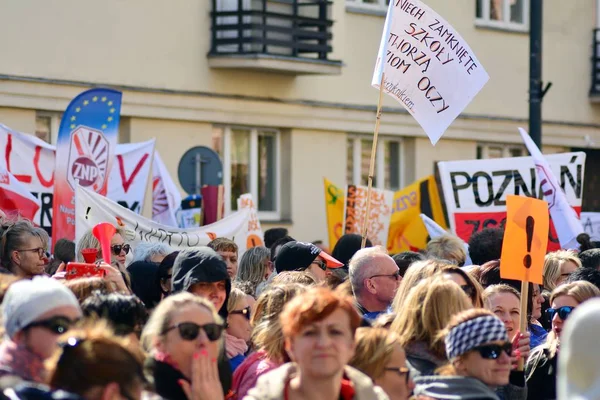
[
  {"x": 202, "y": 339},
  {"x": 323, "y": 340}
]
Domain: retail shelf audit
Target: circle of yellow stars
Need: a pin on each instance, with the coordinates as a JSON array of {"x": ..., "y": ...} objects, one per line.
[{"x": 95, "y": 99}]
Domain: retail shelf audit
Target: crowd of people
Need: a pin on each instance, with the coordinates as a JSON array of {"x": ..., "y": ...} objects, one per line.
[{"x": 292, "y": 320}]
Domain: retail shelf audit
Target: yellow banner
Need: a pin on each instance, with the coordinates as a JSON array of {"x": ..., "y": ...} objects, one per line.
[
  {"x": 334, "y": 208},
  {"x": 407, "y": 231}
]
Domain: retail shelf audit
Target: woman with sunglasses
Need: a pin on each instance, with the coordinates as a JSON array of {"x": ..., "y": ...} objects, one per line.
[
  {"x": 34, "y": 314},
  {"x": 540, "y": 370},
  {"x": 182, "y": 337},
  {"x": 237, "y": 335},
  {"x": 467, "y": 283},
  {"x": 379, "y": 355},
  {"x": 479, "y": 352}
]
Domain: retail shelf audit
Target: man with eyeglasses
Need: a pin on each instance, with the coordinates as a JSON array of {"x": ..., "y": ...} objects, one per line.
[
  {"x": 375, "y": 278},
  {"x": 300, "y": 256}
]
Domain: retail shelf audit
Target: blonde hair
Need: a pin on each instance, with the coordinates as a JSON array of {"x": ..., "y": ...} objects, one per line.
[
  {"x": 267, "y": 334},
  {"x": 447, "y": 247},
  {"x": 374, "y": 348},
  {"x": 252, "y": 267},
  {"x": 165, "y": 311},
  {"x": 235, "y": 296},
  {"x": 580, "y": 291},
  {"x": 497, "y": 289},
  {"x": 85, "y": 287},
  {"x": 428, "y": 308},
  {"x": 89, "y": 241},
  {"x": 416, "y": 272},
  {"x": 552, "y": 264}
]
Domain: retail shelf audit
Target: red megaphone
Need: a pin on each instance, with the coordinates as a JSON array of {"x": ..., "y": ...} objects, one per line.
[{"x": 104, "y": 233}]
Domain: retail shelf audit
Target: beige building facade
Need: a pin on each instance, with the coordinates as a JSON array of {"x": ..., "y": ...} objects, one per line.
[{"x": 282, "y": 120}]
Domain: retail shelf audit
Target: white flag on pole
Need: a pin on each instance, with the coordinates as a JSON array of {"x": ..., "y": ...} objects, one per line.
[{"x": 166, "y": 198}]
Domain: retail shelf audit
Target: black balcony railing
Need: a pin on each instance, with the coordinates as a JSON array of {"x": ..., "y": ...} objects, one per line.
[
  {"x": 595, "y": 89},
  {"x": 290, "y": 28}
]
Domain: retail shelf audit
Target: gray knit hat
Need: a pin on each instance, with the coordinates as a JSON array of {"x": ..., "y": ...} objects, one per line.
[{"x": 26, "y": 300}]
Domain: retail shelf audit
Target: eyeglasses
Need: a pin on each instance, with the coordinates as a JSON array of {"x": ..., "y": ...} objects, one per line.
[
  {"x": 245, "y": 312},
  {"x": 117, "y": 248},
  {"x": 191, "y": 330},
  {"x": 395, "y": 275},
  {"x": 57, "y": 325},
  {"x": 563, "y": 312},
  {"x": 402, "y": 371},
  {"x": 468, "y": 289},
  {"x": 40, "y": 251},
  {"x": 494, "y": 351}
]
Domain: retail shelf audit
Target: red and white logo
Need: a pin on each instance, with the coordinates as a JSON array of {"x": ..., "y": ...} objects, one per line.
[{"x": 88, "y": 158}]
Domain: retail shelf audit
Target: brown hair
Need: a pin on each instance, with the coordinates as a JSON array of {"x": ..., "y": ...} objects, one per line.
[
  {"x": 94, "y": 357},
  {"x": 315, "y": 305},
  {"x": 476, "y": 298},
  {"x": 85, "y": 287},
  {"x": 223, "y": 244},
  {"x": 374, "y": 347}
]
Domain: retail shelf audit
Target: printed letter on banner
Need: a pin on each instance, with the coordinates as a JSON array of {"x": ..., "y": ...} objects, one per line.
[
  {"x": 380, "y": 213},
  {"x": 429, "y": 68}
]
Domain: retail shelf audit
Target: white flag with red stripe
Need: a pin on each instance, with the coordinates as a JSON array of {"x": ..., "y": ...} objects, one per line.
[
  {"x": 166, "y": 198},
  {"x": 15, "y": 198}
]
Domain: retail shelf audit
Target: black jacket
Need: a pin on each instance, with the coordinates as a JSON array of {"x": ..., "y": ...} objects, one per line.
[
  {"x": 144, "y": 283},
  {"x": 540, "y": 372}
]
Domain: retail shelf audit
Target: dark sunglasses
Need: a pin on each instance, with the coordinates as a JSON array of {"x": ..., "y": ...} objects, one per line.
[
  {"x": 469, "y": 290},
  {"x": 402, "y": 371},
  {"x": 191, "y": 330},
  {"x": 117, "y": 248},
  {"x": 494, "y": 351},
  {"x": 563, "y": 312},
  {"x": 245, "y": 312},
  {"x": 57, "y": 325},
  {"x": 321, "y": 265}
]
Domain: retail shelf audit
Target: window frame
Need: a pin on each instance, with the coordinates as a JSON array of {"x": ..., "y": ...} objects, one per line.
[
  {"x": 54, "y": 124},
  {"x": 506, "y": 148},
  {"x": 253, "y": 167},
  {"x": 506, "y": 24},
  {"x": 379, "y": 160},
  {"x": 360, "y": 6}
]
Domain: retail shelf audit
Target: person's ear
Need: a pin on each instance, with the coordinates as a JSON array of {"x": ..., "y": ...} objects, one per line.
[
  {"x": 289, "y": 349},
  {"x": 111, "y": 392},
  {"x": 368, "y": 284},
  {"x": 16, "y": 257},
  {"x": 459, "y": 365}
]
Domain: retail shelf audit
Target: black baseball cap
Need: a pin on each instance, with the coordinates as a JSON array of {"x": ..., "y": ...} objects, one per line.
[{"x": 295, "y": 256}]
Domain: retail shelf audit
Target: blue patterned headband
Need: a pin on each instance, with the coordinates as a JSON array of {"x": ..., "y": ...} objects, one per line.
[{"x": 473, "y": 333}]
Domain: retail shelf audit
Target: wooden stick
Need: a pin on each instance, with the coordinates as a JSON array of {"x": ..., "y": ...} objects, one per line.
[
  {"x": 524, "y": 317},
  {"x": 372, "y": 164}
]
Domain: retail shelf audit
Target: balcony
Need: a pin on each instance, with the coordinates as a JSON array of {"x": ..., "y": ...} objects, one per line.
[
  {"x": 595, "y": 89},
  {"x": 283, "y": 36}
]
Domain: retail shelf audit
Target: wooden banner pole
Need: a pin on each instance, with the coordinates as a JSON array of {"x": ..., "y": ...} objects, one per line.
[
  {"x": 524, "y": 317},
  {"x": 372, "y": 164}
]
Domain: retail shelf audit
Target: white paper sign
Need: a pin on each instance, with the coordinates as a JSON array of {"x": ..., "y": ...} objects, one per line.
[
  {"x": 591, "y": 224},
  {"x": 255, "y": 233},
  {"x": 428, "y": 66}
]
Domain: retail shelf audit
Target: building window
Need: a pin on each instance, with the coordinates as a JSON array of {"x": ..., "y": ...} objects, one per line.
[
  {"x": 505, "y": 14},
  {"x": 251, "y": 164},
  {"x": 487, "y": 151},
  {"x": 388, "y": 170},
  {"x": 47, "y": 125},
  {"x": 368, "y": 5}
]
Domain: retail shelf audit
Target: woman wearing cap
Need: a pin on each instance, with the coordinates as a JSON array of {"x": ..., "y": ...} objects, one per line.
[
  {"x": 540, "y": 369},
  {"x": 479, "y": 352},
  {"x": 318, "y": 328},
  {"x": 34, "y": 313},
  {"x": 300, "y": 256},
  {"x": 182, "y": 338}
]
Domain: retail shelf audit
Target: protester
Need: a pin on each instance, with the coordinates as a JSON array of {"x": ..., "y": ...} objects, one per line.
[
  {"x": 375, "y": 278},
  {"x": 228, "y": 250},
  {"x": 486, "y": 245},
  {"x": 22, "y": 248},
  {"x": 164, "y": 274},
  {"x": 118, "y": 248},
  {"x": 145, "y": 283},
  {"x": 274, "y": 234},
  {"x": 477, "y": 346},
  {"x": 448, "y": 248},
  {"x": 505, "y": 302},
  {"x": 83, "y": 288},
  {"x": 578, "y": 366},
  {"x": 182, "y": 338},
  {"x": 238, "y": 332},
  {"x": 347, "y": 246},
  {"x": 540, "y": 369},
  {"x": 427, "y": 309},
  {"x": 126, "y": 314},
  {"x": 275, "y": 247},
  {"x": 151, "y": 252},
  {"x": 318, "y": 327},
  {"x": 379, "y": 355},
  {"x": 255, "y": 268},
  {"x": 558, "y": 266},
  {"x": 64, "y": 253},
  {"x": 405, "y": 259},
  {"x": 300, "y": 256},
  {"x": 267, "y": 338},
  {"x": 34, "y": 313},
  {"x": 467, "y": 283},
  {"x": 94, "y": 364},
  {"x": 414, "y": 274}
]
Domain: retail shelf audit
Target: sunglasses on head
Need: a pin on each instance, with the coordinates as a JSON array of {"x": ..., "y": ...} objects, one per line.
[
  {"x": 494, "y": 351},
  {"x": 117, "y": 248},
  {"x": 563, "y": 312},
  {"x": 57, "y": 325},
  {"x": 245, "y": 312},
  {"x": 191, "y": 330}
]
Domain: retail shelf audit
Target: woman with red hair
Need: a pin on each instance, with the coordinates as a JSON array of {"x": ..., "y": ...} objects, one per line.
[{"x": 318, "y": 328}]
